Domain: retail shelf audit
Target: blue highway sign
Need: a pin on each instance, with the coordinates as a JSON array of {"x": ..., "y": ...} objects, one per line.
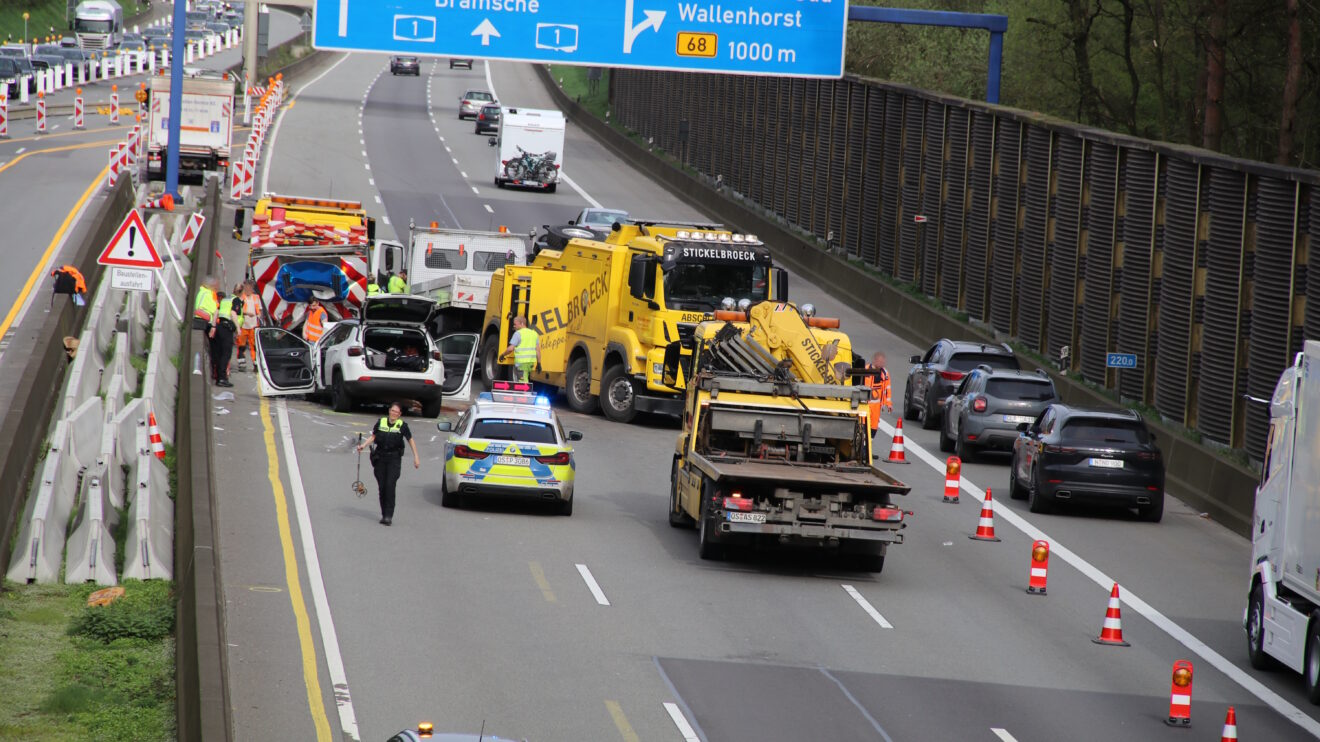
[
  {"x": 794, "y": 38},
  {"x": 1121, "y": 360}
]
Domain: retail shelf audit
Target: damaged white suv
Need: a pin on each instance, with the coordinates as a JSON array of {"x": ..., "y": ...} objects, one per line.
[{"x": 387, "y": 354}]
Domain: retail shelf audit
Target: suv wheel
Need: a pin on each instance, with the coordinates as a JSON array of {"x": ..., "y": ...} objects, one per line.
[
  {"x": 432, "y": 408},
  {"x": 966, "y": 451},
  {"x": 341, "y": 399},
  {"x": 946, "y": 442},
  {"x": 928, "y": 418},
  {"x": 618, "y": 398},
  {"x": 1015, "y": 491},
  {"x": 1035, "y": 498},
  {"x": 909, "y": 412},
  {"x": 1154, "y": 512}
]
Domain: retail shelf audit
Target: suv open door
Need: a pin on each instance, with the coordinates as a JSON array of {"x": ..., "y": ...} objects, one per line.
[
  {"x": 286, "y": 362},
  {"x": 458, "y": 353}
]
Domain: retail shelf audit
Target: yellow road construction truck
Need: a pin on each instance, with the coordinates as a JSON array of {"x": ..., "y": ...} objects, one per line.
[
  {"x": 776, "y": 446},
  {"x": 606, "y": 309}
]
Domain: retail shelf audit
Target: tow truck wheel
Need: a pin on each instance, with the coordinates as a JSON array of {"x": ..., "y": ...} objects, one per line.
[
  {"x": 677, "y": 518},
  {"x": 1256, "y": 631},
  {"x": 617, "y": 399},
  {"x": 578, "y": 389},
  {"x": 1312, "y": 666},
  {"x": 707, "y": 546},
  {"x": 491, "y": 370},
  {"x": 871, "y": 562}
]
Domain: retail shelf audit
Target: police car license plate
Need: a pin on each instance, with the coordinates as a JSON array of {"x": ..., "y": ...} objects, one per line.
[
  {"x": 512, "y": 460},
  {"x": 1107, "y": 463},
  {"x": 746, "y": 517}
]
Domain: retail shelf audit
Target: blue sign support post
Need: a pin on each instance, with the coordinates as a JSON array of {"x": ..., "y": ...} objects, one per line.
[
  {"x": 792, "y": 38},
  {"x": 176, "y": 98},
  {"x": 995, "y": 24}
]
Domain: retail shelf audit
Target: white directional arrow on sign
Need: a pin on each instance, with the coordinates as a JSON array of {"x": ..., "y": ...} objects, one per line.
[
  {"x": 485, "y": 31},
  {"x": 630, "y": 32}
]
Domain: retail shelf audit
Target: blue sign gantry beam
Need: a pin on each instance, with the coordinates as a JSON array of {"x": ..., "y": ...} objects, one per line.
[{"x": 794, "y": 38}]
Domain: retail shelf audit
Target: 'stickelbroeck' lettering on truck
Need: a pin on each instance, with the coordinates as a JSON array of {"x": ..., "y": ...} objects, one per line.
[
  {"x": 717, "y": 253},
  {"x": 747, "y": 16},
  {"x": 813, "y": 350},
  {"x": 553, "y": 320}
]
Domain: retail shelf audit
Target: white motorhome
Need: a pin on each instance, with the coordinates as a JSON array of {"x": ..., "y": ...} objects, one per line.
[
  {"x": 531, "y": 148},
  {"x": 98, "y": 24},
  {"x": 1283, "y": 609}
]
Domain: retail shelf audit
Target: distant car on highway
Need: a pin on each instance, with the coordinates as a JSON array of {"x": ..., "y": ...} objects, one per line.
[
  {"x": 987, "y": 408},
  {"x": 43, "y": 62},
  {"x": 405, "y": 66},
  {"x": 133, "y": 45},
  {"x": 9, "y": 77},
  {"x": 464, "y": 63},
  {"x": 602, "y": 219},
  {"x": 25, "y": 67},
  {"x": 10, "y": 50},
  {"x": 472, "y": 102},
  {"x": 509, "y": 443},
  {"x": 933, "y": 376},
  {"x": 488, "y": 119},
  {"x": 1071, "y": 454}
]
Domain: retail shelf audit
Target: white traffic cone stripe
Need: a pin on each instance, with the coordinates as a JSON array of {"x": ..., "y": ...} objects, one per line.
[
  {"x": 1230, "y": 731},
  {"x": 1112, "y": 623}
]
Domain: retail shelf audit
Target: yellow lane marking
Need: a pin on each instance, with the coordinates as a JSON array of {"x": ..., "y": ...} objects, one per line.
[
  {"x": 538, "y": 574},
  {"x": 621, "y": 721},
  {"x": 39, "y": 268},
  {"x": 65, "y": 148},
  {"x": 310, "y": 674},
  {"x": 57, "y": 135}
]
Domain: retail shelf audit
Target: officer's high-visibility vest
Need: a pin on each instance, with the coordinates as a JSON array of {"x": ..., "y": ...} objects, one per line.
[
  {"x": 397, "y": 285},
  {"x": 524, "y": 354},
  {"x": 315, "y": 325},
  {"x": 880, "y": 395},
  {"x": 206, "y": 306},
  {"x": 373, "y": 288}
]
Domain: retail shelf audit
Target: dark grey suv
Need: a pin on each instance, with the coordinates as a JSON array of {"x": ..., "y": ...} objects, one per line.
[
  {"x": 989, "y": 406},
  {"x": 933, "y": 376}
]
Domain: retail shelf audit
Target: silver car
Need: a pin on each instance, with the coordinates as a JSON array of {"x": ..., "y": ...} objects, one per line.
[
  {"x": 989, "y": 406},
  {"x": 472, "y": 101},
  {"x": 602, "y": 219}
]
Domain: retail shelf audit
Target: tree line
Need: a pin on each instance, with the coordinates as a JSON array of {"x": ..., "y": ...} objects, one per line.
[{"x": 1240, "y": 77}]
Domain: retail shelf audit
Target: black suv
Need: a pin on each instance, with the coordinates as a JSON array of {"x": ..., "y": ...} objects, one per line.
[
  {"x": 1077, "y": 455},
  {"x": 405, "y": 66},
  {"x": 990, "y": 406},
  {"x": 489, "y": 118},
  {"x": 933, "y": 376}
]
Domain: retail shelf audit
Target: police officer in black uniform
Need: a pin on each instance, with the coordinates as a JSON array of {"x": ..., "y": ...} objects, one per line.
[{"x": 387, "y": 456}]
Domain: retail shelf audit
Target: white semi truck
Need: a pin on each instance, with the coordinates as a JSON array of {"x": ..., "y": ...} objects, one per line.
[
  {"x": 453, "y": 267},
  {"x": 98, "y": 24},
  {"x": 206, "y": 127},
  {"x": 1283, "y": 610},
  {"x": 531, "y": 148}
]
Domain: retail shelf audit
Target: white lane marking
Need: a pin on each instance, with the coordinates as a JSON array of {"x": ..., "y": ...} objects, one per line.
[
  {"x": 386, "y": 219},
  {"x": 460, "y": 172},
  {"x": 1131, "y": 600},
  {"x": 680, "y": 721},
  {"x": 474, "y": 190},
  {"x": 364, "y": 153},
  {"x": 455, "y": 159},
  {"x": 371, "y": 181},
  {"x": 329, "y": 639},
  {"x": 490, "y": 85},
  {"x": 866, "y": 606},
  {"x": 489, "y": 210},
  {"x": 378, "y": 201},
  {"x": 56, "y": 126},
  {"x": 447, "y": 149},
  {"x": 591, "y": 585},
  {"x": 366, "y": 165},
  {"x": 1003, "y": 734},
  {"x": 443, "y": 139},
  {"x": 20, "y": 150},
  {"x": 275, "y": 130}
]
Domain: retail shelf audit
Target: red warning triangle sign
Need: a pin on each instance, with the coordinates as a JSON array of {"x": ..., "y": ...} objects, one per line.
[{"x": 131, "y": 246}]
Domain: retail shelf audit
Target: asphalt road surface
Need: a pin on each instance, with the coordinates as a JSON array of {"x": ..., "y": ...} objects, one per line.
[{"x": 606, "y": 625}]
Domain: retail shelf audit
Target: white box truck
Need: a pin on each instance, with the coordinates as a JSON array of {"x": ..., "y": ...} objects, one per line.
[
  {"x": 1283, "y": 608},
  {"x": 206, "y": 127},
  {"x": 453, "y": 267},
  {"x": 531, "y": 148}
]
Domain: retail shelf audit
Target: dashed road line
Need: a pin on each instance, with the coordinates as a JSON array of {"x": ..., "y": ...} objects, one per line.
[
  {"x": 621, "y": 722},
  {"x": 592, "y": 585},
  {"x": 538, "y": 575},
  {"x": 866, "y": 606},
  {"x": 474, "y": 190},
  {"x": 460, "y": 172},
  {"x": 489, "y": 210},
  {"x": 1003, "y": 734},
  {"x": 680, "y": 721}
]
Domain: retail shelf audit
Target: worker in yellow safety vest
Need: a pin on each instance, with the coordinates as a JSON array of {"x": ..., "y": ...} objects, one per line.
[
  {"x": 881, "y": 396},
  {"x": 207, "y": 305},
  {"x": 314, "y": 327},
  {"x": 525, "y": 346},
  {"x": 398, "y": 283},
  {"x": 373, "y": 288}
]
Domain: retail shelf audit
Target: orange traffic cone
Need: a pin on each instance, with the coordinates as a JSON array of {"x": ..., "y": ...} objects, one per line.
[
  {"x": 1230, "y": 727},
  {"x": 1111, "y": 632},
  {"x": 165, "y": 202},
  {"x": 157, "y": 445},
  {"x": 897, "y": 454},
  {"x": 985, "y": 527}
]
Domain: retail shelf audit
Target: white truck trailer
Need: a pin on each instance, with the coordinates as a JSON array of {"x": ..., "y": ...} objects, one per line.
[
  {"x": 206, "y": 128},
  {"x": 531, "y": 148},
  {"x": 1282, "y": 620},
  {"x": 454, "y": 266}
]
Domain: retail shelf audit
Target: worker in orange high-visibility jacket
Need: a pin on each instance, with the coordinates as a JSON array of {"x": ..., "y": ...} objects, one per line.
[
  {"x": 881, "y": 397},
  {"x": 314, "y": 327},
  {"x": 250, "y": 306},
  {"x": 69, "y": 280}
]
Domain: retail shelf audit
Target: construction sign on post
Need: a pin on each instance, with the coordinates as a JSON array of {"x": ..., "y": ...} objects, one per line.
[{"x": 131, "y": 247}]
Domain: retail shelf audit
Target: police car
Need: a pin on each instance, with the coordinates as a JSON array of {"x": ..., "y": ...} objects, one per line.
[{"x": 509, "y": 443}]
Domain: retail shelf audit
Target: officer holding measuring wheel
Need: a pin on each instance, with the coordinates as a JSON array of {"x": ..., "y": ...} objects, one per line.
[{"x": 387, "y": 457}]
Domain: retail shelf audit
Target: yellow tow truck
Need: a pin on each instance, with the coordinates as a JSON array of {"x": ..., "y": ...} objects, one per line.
[
  {"x": 606, "y": 309},
  {"x": 776, "y": 445}
]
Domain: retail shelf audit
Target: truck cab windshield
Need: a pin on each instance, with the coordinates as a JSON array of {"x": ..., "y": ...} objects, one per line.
[
  {"x": 701, "y": 286},
  {"x": 87, "y": 25}
]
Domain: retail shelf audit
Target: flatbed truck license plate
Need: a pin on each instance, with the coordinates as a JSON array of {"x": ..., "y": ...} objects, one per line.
[{"x": 745, "y": 517}]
